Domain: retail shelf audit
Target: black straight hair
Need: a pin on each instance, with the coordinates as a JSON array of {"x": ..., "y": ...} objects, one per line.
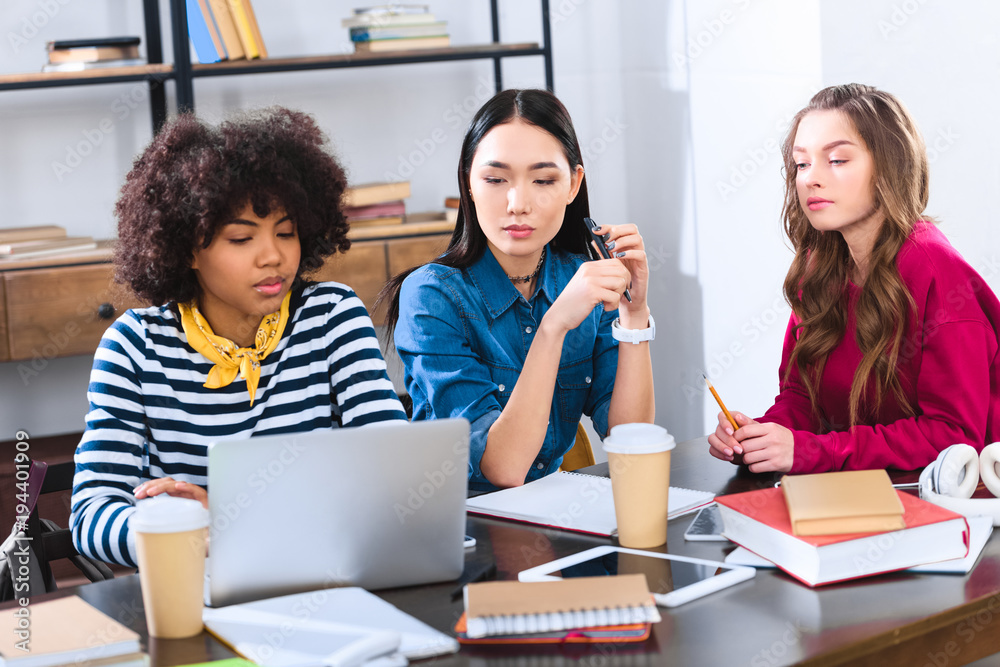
[{"x": 468, "y": 243}]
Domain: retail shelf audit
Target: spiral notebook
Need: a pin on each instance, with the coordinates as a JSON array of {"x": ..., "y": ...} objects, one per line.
[
  {"x": 573, "y": 501},
  {"x": 532, "y": 608}
]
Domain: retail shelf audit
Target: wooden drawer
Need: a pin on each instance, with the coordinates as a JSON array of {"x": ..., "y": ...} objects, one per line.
[
  {"x": 362, "y": 267},
  {"x": 61, "y": 311},
  {"x": 404, "y": 254}
]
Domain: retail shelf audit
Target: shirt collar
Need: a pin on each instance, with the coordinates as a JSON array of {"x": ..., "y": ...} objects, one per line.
[{"x": 499, "y": 293}]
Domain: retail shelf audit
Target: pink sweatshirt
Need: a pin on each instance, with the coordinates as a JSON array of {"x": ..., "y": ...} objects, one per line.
[{"x": 948, "y": 367}]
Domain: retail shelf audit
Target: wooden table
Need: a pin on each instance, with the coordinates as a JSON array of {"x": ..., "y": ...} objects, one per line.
[{"x": 895, "y": 619}]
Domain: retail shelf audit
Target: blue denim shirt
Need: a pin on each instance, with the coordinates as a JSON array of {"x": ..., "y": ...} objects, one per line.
[{"x": 463, "y": 336}]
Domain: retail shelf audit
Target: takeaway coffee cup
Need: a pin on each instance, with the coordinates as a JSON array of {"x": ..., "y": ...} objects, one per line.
[
  {"x": 170, "y": 540},
  {"x": 639, "y": 461}
]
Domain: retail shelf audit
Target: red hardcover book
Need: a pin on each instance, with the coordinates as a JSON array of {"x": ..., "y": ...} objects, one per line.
[{"x": 759, "y": 521}]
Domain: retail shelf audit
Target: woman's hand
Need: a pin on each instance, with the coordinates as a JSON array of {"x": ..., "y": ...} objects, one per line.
[
  {"x": 627, "y": 246},
  {"x": 171, "y": 487},
  {"x": 597, "y": 282},
  {"x": 765, "y": 447}
]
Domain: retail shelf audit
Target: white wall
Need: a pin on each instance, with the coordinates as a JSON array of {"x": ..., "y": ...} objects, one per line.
[{"x": 679, "y": 104}]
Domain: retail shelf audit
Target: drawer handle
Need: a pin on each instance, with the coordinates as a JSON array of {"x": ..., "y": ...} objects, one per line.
[{"x": 105, "y": 311}]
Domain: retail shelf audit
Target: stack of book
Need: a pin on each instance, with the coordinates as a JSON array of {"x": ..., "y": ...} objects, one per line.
[
  {"x": 376, "y": 204},
  {"x": 585, "y": 610},
  {"x": 18, "y": 243},
  {"x": 81, "y": 54},
  {"x": 838, "y": 526},
  {"x": 224, "y": 30},
  {"x": 396, "y": 27}
]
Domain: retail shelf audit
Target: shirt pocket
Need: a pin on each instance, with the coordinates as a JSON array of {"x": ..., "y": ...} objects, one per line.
[{"x": 573, "y": 383}]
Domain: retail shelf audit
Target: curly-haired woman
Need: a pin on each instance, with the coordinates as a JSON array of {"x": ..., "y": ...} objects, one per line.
[
  {"x": 217, "y": 227},
  {"x": 891, "y": 354}
]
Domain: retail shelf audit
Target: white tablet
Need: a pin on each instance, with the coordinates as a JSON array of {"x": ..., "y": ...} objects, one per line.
[{"x": 673, "y": 580}]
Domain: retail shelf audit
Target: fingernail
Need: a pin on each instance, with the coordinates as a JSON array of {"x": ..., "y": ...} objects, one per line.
[
  {"x": 729, "y": 431},
  {"x": 610, "y": 245},
  {"x": 739, "y": 450},
  {"x": 620, "y": 254}
]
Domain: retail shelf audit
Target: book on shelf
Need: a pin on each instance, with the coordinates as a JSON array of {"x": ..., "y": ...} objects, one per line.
[
  {"x": 386, "y": 19},
  {"x": 100, "y": 64},
  {"x": 226, "y": 26},
  {"x": 66, "y": 631},
  {"x": 371, "y": 32},
  {"x": 759, "y": 521},
  {"x": 545, "y": 611},
  {"x": 23, "y": 249},
  {"x": 377, "y": 210},
  {"x": 93, "y": 50},
  {"x": 204, "y": 33},
  {"x": 415, "y": 43},
  {"x": 247, "y": 28},
  {"x": 393, "y": 8},
  {"x": 32, "y": 233},
  {"x": 367, "y": 194},
  {"x": 572, "y": 501},
  {"x": 849, "y": 501}
]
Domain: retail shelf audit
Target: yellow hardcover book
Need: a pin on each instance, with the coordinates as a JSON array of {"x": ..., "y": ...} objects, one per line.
[
  {"x": 254, "y": 28},
  {"x": 227, "y": 29},
  {"x": 832, "y": 503},
  {"x": 243, "y": 28}
]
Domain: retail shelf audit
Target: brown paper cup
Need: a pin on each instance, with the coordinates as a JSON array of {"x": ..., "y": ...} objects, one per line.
[
  {"x": 170, "y": 540},
  {"x": 639, "y": 461}
]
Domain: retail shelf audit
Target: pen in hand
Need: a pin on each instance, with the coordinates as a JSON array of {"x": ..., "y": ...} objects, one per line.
[{"x": 737, "y": 458}]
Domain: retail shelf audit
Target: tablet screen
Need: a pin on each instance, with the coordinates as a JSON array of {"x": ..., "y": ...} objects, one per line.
[{"x": 662, "y": 575}]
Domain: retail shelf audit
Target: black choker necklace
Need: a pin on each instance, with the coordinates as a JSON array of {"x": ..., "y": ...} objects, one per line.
[{"x": 528, "y": 278}]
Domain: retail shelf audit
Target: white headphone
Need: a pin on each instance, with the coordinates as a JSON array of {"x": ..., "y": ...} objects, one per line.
[{"x": 953, "y": 477}]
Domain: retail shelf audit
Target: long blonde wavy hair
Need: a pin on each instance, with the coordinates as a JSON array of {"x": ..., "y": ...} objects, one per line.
[{"x": 816, "y": 284}]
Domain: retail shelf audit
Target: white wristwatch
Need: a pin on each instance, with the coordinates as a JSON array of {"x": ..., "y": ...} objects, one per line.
[{"x": 634, "y": 336}]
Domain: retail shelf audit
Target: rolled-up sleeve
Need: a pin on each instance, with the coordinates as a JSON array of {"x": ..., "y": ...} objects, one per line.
[{"x": 444, "y": 376}]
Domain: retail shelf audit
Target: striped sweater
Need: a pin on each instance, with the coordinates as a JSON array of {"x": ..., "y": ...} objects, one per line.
[{"x": 151, "y": 417}]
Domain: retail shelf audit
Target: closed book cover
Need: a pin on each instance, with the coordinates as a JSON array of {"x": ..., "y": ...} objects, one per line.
[
  {"x": 413, "y": 43},
  {"x": 22, "y": 249},
  {"x": 32, "y": 233},
  {"x": 759, "y": 521},
  {"x": 572, "y": 501},
  {"x": 518, "y": 607},
  {"x": 607, "y": 634},
  {"x": 386, "y": 19},
  {"x": 255, "y": 28},
  {"x": 93, "y": 54},
  {"x": 204, "y": 37},
  {"x": 366, "y": 33},
  {"x": 380, "y": 210},
  {"x": 245, "y": 29},
  {"x": 227, "y": 29},
  {"x": 367, "y": 194},
  {"x": 850, "y": 501},
  {"x": 388, "y": 220},
  {"x": 65, "y": 631}
]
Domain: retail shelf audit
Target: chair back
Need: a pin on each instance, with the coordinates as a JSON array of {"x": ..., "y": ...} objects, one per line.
[{"x": 581, "y": 454}]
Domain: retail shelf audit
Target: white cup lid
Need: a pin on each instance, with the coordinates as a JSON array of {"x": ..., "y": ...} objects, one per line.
[
  {"x": 638, "y": 439},
  {"x": 166, "y": 514}
]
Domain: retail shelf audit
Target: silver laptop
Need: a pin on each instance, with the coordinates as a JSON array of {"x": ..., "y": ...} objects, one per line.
[{"x": 377, "y": 506}]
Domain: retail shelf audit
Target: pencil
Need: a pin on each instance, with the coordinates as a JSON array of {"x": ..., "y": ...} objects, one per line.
[{"x": 721, "y": 404}]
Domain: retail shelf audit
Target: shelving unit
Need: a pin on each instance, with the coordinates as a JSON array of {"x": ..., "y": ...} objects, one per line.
[{"x": 183, "y": 72}]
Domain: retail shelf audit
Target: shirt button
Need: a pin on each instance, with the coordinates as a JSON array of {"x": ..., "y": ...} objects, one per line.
[
  {"x": 501, "y": 388},
  {"x": 540, "y": 466},
  {"x": 587, "y": 380},
  {"x": 527, "y": 329}
]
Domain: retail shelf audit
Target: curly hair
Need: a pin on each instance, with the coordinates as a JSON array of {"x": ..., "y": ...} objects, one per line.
[{"x": 192, "y": 178}]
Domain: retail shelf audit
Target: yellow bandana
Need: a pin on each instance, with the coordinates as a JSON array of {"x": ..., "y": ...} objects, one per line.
[{"x": 230, "y": 359}]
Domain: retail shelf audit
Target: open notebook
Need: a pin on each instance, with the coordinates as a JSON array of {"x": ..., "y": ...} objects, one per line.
[{"x": 572, "y": 501}]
